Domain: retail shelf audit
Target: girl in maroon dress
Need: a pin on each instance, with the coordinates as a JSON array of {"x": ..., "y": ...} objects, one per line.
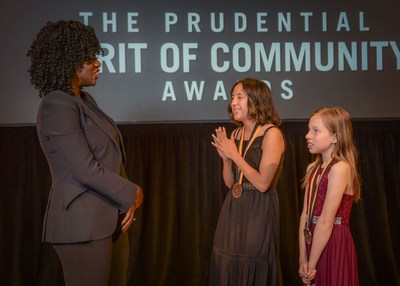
[{"x": 327, "y": 253}]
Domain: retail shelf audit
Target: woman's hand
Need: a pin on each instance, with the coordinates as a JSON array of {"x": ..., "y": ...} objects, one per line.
[
  {"x": 139, "y": 197},
  {"x": 225, "y": 146},
  {"x": 130, "y": 214}
]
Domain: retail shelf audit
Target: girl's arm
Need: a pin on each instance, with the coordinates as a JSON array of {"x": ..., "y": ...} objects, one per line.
[
  {"x": 303, "y": 260},
  {"x": 273, "y": 147}
]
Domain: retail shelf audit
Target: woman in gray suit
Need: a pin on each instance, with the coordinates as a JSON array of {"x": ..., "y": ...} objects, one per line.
[{"x": 91, "y": 203}]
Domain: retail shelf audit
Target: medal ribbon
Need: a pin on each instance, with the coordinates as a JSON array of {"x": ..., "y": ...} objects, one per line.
[
  {"x": 313, "y": 191},
  {"x": 253, "y": 136}
]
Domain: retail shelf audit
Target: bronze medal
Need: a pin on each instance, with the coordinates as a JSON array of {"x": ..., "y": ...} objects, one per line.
[
  {"x": 237, "y": 190},
  {"x": 307, "y": 235},
  {"x": 313, "y": 188}
]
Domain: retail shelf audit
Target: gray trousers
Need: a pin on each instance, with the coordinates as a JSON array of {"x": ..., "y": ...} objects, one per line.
[{"x": 95, "y": 263}]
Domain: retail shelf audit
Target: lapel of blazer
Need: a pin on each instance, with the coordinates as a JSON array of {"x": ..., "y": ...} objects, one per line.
[{"x": 104, "y": 122}]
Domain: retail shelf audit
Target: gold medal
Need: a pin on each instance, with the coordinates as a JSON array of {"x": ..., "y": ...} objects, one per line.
[
  {"x": 237, "y": 190},
  {"x": 307, "y": 235}
]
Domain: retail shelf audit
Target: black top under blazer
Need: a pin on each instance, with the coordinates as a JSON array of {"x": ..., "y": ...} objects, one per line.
[{"x": 85, "y": 153}]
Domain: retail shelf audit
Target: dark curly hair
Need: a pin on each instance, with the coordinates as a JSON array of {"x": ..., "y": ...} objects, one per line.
[
  {"x": 58, "y": 51},
  {"x": 260, "y": 104}
]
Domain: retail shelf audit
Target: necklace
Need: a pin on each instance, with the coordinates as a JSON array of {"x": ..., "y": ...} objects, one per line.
[
  {"x": 237, "y": 188},
  {"x": 312, "y": 196}
]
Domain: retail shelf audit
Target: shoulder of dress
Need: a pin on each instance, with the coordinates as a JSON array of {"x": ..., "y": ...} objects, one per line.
[
  {"x": 271, "y": 126},
  {"x": 272, "y": 130}
]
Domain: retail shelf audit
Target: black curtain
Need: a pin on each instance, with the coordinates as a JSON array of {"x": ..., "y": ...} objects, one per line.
[{"x": 180, "y": 173}]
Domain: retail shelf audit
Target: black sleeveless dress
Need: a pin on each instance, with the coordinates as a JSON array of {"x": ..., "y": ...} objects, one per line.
[{"x": 246, "y": 241}]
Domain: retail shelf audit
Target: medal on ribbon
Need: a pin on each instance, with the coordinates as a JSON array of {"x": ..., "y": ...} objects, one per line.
[
  {"x": 307, "y": 235},
  {"x": 312, "y": 195},
  {"x": 237, "y": 188}
]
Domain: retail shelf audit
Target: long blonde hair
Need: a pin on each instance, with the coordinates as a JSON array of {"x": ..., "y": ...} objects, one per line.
[{"x": 338, "y": 121}]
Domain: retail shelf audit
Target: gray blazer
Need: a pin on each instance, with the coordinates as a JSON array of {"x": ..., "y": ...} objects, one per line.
[{"x": 85, "y": 153}]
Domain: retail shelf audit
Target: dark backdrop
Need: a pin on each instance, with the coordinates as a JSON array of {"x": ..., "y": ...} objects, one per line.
[{"x": 180, "y": 173}]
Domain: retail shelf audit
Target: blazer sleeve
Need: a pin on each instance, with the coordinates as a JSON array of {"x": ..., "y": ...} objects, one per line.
[{"x": 60, "y": 123}]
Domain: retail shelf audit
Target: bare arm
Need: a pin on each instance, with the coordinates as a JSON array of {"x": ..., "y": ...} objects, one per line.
[
  {"x": 273, "y": 147},
  {"x": 304, "y": 271},
  {"x": 302, "y": 242}
]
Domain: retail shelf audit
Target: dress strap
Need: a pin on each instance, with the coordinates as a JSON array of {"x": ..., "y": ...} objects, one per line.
[
  {"x": 235, "y": 133},
  {"x": 266, "y": 130}
]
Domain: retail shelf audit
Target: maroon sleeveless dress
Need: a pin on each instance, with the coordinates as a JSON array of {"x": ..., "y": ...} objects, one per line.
[{"x": 337, "y": 265}]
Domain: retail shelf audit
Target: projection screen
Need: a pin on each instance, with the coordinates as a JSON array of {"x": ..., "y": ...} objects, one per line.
[{"x": 168, "y": 61}]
